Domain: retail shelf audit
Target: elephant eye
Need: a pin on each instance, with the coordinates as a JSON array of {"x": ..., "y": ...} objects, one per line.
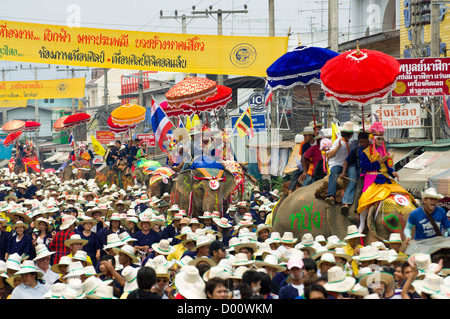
[{"x": 392, "y": 222}]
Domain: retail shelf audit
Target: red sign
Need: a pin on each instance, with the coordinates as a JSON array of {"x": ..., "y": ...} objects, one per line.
[
  {"x": 149, "y": 139},
  {"x": 104, "y": 137},
  {"x": 423, "y": 77}
]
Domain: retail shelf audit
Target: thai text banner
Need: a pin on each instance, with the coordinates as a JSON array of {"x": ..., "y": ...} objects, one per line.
[
  {"x": 395, "y": 116},
  {"x": 423, "y": 77},
  {"x": 105, "y": 48},
  {"x": 45, "y": 89}
]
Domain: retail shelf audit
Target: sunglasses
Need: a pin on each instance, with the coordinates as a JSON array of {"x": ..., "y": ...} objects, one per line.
[{"x": 380, "y": 138}]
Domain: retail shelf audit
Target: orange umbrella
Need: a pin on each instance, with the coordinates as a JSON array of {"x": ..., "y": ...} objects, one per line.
[
  {"x": 13, "y": 126},
  {"x": 59, "y": 124},
  {"x": 189, "y": 90},
  {"x": 128, "y": 115}
]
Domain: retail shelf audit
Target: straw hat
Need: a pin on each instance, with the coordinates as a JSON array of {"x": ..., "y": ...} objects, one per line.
[
  {"x": 238, "y": 272},
  {"x": 189, "y": 283},
  {"x": 113, "y": 240},
  {"x": 163, "y": 247},
  {"x": 125, "y": 237},
  {"x": 359, "y": 290},
  {"x": 222, "y": 222},
  {"x": 203, "y": 259},
  {"x": 367, "y": 253},
  {"x": 129, "y": 273},
  {"x": 271, "y": 260},
  {"x": 102, "y": 292},
  {"x": 64, "y": 260},
  {"x": 75, "y": 269},
  {"x": 340, "y": 252},
  {"x": 202, "y": 241},
  {"x": 241, "y": 259},
  {"x": 19, "y": 223},
  {"x": 288, "y": 238},
  {"x": 144, "y": 219},
  {"x": 81, "y": 255},
  {"x": 352, "y": 232},
  {"x": 431, "y": 193},
  {"x": 394, "y": 238},
  {"x": 92, "y": 283},
  {"x": 245, "y": 242},
  {"x": 348, "y": 127},
  {"x": 308, "y": 130},
  {"x": 67, "y": 221},
  {"x": 381, "y": 276},
  {"x": 338, "y": 281},
  {"x": 75, "y": 239},
  {"x": 328, "y": 257},
  {"x": 56, "y": 291},
  {"x": 206, "y": 215},
  {"x": 27, "y": 267},
  {"x": 127, "y": 250},
  {"x": 262, "y": 227}
]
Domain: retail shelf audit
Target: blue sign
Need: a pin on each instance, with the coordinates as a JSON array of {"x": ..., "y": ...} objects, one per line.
[{"x": 259, "y": 122}]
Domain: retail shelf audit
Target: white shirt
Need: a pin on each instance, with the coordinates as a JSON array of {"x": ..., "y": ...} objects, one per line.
[{"x": 339, "y": 158}]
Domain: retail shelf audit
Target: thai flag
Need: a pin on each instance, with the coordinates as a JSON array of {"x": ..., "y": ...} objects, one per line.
[
  {"x": 71, "y": 141},
  {"x": 160, "y": 123},
  {"x": 268, "y": 93}
]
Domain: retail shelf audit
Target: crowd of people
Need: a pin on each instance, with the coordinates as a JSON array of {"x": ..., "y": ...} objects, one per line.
[
  {"x": 72, "y": 240},
  {"x": 76, "y": 240}
]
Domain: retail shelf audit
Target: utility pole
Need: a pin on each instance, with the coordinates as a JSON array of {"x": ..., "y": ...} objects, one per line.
[
  {"x": 220, "y": 18},
  {"x": 435, "y": 29},
  {"x": 183, "y": 18},
  {"x": 35, "y": 69},
  {"x": 274, "y": 102},
  {"x": 4, "y": 111},
  {"x": 73, "y": 70}
]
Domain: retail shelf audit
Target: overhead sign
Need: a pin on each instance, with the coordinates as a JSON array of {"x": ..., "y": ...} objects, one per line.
[
  {"x": 395, "y": 116},
  {"x": 423, "y": 77},
  {"x": 256, "y": 102},
  {"x": 259, "y": 122},
  {"x": 44, "y": 89},
  {"x": 149, "y": 139},
  {"x": 137, "y": 50},
  {"x": 105, "y": 137}
]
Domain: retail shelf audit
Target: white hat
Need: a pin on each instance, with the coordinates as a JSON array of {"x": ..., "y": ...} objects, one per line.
[
  {"x": 125, "y": 237},
  {"x": 348, "y": 127},
  {"x": 394, "y": 238},
  {"x": 129, "y": 273},
  {"x": 381, "y": 276},
  {"x": 352, "y": 232},
  {"x": 338, "y": 281},
  {"x": 367, "y": 253},
  {"x": 42, "y": 251},
  {"x": 28, "y": 266},
  {"x": 241, "y": 259},
  {"x": 75, "y": 239},
  {"x": 102, "y": 292},
  {"x": 74, "y": 290},
  {"x": 75, "y": 269},
  {"x": 288, "y": 237},
  {"x": 431, "y": 193},
  {"x": 189, "y": 283},
  {"x": 67, "y": 220},
  {"x": 56, "y": 292},
  {"x": 113, "y": 240},
  {"x": 64, "y": 260},
  {"x": 163, "y": 247},
  {"x": 81, "y": 255},
  {"x": 127, "y": 250},
  {"x": 271, "y": 260}
]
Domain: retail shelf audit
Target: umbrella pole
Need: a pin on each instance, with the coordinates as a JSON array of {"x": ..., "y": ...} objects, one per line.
[
  {"x": 313, "y": 108},
  {"x": 363, "y": 119}
]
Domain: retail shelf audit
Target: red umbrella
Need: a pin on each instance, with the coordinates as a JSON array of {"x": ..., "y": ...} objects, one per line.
[
  {"x": 117, "y": 128},
  {"x": 12, "y": 138},
  {"x": 212, "y": 103},
  {"x": 31, "y": 125},
  {"x": 13, "y": 126},
  {"x": 175, "y": 111},
  {"x": 49, "y": 170},
  {"x": 76, "y": 119},
  {"x": 59, "y": 124},
  {"x": 359, "y": 77},
  {"x": 190, "y": 90}
]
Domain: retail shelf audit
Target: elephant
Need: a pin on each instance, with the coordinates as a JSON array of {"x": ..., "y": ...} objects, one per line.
[
  {"x": 79, "y": 170},
  {"x": 200, "y": 190},
  {"x": 111, "y": 176},
  {"x": 244, "y": 182},
  {"x": 139, "y": 175},
  {"x": 303, "y": 212}
]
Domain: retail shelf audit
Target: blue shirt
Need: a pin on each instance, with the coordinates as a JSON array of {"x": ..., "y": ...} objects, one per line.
[
  {"x": 146, "y": 239},
  {"x": 423, "y": 228}
]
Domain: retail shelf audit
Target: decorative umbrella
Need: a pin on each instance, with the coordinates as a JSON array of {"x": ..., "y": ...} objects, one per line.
[
  {"x": 117, "y": 128},
  {"x": 58, "y": 126},
  {"x": 31, "y": 125},
  {"x": 13, "y": 126},
  {"x": 212, "y": 103},
  {"x": 49, "y": 170},
  {"x": 301, "y": 66},
  {"x": 175, "y": 111},
  {"x": 190, "y": 90},
  {"x": 12, "y": 138},
  {"x": 128, "y": 115},
  {"x": 359, "y": 77},
  {"x": 76, "y": 119}
]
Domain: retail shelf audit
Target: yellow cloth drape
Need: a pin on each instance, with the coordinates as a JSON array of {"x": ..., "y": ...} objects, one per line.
[{"x": 379, "y": 192}]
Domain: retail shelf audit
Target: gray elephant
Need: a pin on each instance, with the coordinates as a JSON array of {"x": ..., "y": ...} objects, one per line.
[
  {"x": 79, "y": 170},
  {"x": 200, "y": 190}
]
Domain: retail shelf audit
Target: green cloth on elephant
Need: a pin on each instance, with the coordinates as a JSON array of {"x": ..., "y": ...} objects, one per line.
[{"x": 148, "y": 163}]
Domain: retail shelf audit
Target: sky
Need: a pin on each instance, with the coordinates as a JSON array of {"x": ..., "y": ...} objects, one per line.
[{"x": 307, "y": 20}]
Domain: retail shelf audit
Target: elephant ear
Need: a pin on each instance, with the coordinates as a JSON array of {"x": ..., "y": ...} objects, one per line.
[
  {"x": 183, "y": 179},
  {"x": 230, "y": 183},
  {"x": 371, "y": 223}
]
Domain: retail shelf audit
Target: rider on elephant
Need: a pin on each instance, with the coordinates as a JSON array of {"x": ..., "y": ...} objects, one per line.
[{"x": 376, "y": 167}]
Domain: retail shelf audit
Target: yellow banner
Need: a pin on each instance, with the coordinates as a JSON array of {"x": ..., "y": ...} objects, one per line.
[
  {"x": 45, "y": 89},
  {"x": 13, "y": 103},
  {"x": 104, "y": 48}
]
